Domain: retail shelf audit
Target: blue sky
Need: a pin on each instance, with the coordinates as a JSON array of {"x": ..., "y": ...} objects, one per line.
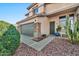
[{"x": 13, "y": 12}]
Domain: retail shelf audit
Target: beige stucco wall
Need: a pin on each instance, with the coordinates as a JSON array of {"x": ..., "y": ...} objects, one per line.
[
  {"x": 77, "y": 11},
  {"x": 45, "y": 21},
  {"x": 57, "y": 7},
  {"x": 56, "y": 18},
  {"x": 44, "y": 25},
  {"x": 31, "y": 10},
  {"x": 41, "y": 9},
  {"x": 29, "y": 21}
]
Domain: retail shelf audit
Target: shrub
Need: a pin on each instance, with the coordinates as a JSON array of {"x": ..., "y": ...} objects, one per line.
[
  {"x": 9, "y": 38},
  {"x": 72, "y": 35},
  {"x": 58, "y": 28}
]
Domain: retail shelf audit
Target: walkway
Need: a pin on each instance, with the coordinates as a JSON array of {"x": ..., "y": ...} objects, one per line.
[{"x": 36, "y": 45}]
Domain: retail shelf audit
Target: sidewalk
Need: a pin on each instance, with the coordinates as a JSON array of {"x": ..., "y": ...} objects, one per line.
[{"x": 36, "y": 45}]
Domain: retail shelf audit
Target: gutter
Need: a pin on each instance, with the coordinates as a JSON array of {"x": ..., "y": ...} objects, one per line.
[{"x": 31, "y": 17}]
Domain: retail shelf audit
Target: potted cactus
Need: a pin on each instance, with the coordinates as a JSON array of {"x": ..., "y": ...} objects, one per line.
[{"x": 58, "y": 29}]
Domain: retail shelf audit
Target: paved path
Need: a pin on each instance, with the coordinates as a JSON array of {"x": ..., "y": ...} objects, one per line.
[{"x": 36, "y": 45}]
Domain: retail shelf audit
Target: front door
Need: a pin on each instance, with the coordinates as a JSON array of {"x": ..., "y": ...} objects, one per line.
[{"x": 52, "y": 27}]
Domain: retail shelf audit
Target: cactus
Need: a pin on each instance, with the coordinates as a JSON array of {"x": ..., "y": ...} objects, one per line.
[
  {"x": 72, "y": 35},
  {"x": 76, "y": 31}
]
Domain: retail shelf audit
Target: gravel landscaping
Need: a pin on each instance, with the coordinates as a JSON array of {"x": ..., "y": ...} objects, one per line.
[{"x": 58, "y": 47}]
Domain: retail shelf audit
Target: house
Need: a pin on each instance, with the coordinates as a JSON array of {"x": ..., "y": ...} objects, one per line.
[{"x": 43, "y": 18}]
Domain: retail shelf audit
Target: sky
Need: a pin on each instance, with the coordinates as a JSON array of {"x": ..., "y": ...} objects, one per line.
[{"x": 13, "y": 12}]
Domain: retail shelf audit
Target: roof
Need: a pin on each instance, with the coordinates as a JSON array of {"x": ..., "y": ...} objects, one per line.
[
  {"x": 31, "y": 5},
  {"x": 28, "y": 18}
]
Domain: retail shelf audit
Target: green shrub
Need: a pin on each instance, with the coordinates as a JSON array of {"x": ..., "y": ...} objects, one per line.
[
  {"x": 72, "y": 35},
  {"x": 9, "y": 38},
  {"x": 58, "y": 29}
]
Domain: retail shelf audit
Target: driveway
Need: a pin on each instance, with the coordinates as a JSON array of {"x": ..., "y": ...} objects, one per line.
[{"x": 36, "y": 45}]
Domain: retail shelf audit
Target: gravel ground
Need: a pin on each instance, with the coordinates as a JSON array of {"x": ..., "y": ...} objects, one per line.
[{"x": 58, "y": 47}]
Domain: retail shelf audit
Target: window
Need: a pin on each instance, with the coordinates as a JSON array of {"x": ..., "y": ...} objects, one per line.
[
  {"x": 63, "y": 21},
  {"x": 71, "y": 17},
  {"x": 36, "y": 11}
]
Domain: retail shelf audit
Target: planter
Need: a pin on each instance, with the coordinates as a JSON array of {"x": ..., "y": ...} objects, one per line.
[
  {"x": 57, "y": 34},
  {"x": 37, "y": 39}
]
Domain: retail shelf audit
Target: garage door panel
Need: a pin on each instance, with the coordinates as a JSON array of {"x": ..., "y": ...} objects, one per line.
[{"x": 28, "y": 29}]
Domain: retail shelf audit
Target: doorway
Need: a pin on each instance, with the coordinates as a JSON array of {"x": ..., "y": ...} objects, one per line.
[{"x": 52, "y": 27}]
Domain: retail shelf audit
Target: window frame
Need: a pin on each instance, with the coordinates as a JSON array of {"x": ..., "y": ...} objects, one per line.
[
  {"x": 64, "y": 17},
  {"x": 36, "y": 10},
  {"x": 72, "y": 24}
]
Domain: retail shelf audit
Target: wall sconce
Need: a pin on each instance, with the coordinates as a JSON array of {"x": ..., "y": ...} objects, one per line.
[{"x": 35, "y": 20}]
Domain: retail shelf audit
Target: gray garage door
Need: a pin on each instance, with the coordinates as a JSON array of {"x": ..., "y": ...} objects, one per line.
[{"x": 28, "y": 29}]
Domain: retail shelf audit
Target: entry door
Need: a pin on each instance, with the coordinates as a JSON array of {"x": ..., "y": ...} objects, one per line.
[{"x": 52, "y": 27}]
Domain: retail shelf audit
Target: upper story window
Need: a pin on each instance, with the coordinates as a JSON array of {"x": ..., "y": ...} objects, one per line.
[
  {"x": 36, "y": 11},
  {"x": 39, "y": 9}
]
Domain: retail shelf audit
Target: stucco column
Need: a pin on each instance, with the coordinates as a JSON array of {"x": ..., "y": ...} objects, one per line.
[
  {"x": 37, "y": 29},
  {"x": 77, "y": 13},
  {"x": 44, "y": 25}
]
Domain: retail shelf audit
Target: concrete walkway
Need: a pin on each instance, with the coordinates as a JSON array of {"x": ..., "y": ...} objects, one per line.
[{"x": 36, "y": 45}]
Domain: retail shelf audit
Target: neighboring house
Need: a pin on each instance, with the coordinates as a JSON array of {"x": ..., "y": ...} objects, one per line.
[{"x": 43, "y": 18}]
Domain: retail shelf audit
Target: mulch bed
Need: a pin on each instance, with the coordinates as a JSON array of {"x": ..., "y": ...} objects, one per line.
[{"x": 58, "y": 47}]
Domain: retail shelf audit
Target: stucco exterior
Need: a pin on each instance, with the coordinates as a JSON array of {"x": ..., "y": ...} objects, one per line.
[
  {"x": 44, "y": 25},
  {"x": 51, "y": 13}
]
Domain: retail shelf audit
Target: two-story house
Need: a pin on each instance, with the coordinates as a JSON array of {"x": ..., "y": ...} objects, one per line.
[{"x": 43, "y": 18}]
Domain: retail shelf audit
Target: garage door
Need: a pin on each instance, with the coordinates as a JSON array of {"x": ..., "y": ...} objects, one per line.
[{"x": 28, "y": 29}]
